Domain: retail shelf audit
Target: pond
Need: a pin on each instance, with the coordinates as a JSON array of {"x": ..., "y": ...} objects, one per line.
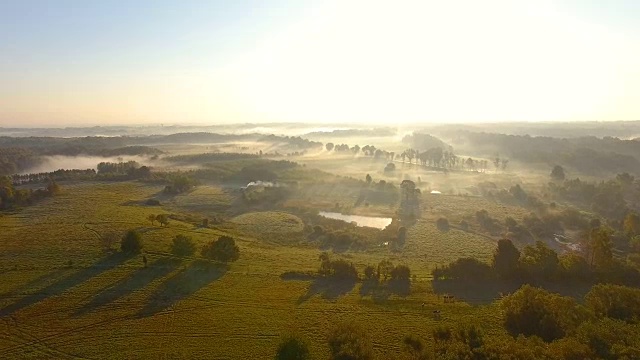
[{"x": 370, "y": 221}]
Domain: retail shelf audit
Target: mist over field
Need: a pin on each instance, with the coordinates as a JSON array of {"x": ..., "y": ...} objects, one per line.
[
  {"x": 335, "y": 180},
  {"x": 80, "y": 162}
]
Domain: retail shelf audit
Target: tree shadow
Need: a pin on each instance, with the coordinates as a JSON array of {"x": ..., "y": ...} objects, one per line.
[
  {"x": 107, "y": 263},
  {"x": 380, "y": 292},
  {"x": 194, "y": 277},
  {"x": 485, "y": 292},
  {"x": 329, "y": 288},
  {"x": 478, "y": 292},
  {"x": 138, "y": 280},
  {"x": 35, "y": 283}
]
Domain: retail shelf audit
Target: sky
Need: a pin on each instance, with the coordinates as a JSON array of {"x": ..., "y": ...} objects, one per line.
[{"x": 73, "y": 63}]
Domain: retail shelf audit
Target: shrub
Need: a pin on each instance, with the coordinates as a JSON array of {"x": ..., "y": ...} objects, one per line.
[
  {"x": 183, "y": 246},
  {"x": 533, "y": 311},
  {"x": 350, "y": 342},
  {"x": 224, "y": 249},
  {"x": 442, "y": 224},
  {"x": 614, "y": 301},
  {"x": 152, "y": 202},
  {"x": 131, "y": 242},
  {"x": 292, "y": 348}
]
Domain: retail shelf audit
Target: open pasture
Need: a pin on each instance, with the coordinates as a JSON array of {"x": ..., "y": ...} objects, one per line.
[{"x": 176, "y": 307}]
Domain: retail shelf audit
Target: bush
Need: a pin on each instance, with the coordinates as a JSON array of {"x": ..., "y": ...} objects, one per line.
[
  {"x": 465, "y": 269},
  {"x": 224, "y": 249},
  {"x": 292, "y": 348},
  {"x": 614, "y": 301},
  {"x": 533, "y": 311},
  {"x": 152, "y": 202},
  {"x": 442, "y": 224},
  {"x": 183, "y": 246},
  {"x": 350, "y": 342},
  {"x": 131, "y": 242}
]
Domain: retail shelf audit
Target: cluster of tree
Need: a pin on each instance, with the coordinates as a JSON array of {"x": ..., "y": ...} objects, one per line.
[
  {"x": 516, "y": 196},
  {"x": 162, "y": 219},
  {"x": 347, "y": 341},
  {"x": 589, "y": 155},
  {"x": 538, "y": 262},
  {"x": 387, "y": 278},
  {"x": 611, "y": 199},
  {"x": 293, "y": 141},
  {"x": 601, "y": 328},
  {"x": 58, "y": 175},
  {"x": 223, "y": 249},
  {"x": 16, "y": 159},
  {"x": 119, "y": 168},
  {"x": 10, "y": 196},
  {"x": 423, "y": 141},
  {"x": 340, "y": 240},
  {"x": 208, "y": 157},
  {"x": 179, "y": 183},
  {"x": 381, "y": 192},
  {"x": 336, "y": 269},
  {"x": 262, "y": 171},
  {"x": 350, "y": 133}
]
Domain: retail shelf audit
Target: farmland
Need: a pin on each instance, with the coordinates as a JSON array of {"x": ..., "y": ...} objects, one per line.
[
  {"x": 69, "y": 290},
  {"x": 103, "y": 303}
]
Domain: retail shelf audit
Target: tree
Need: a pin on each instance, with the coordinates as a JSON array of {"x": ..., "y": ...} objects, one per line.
[
  {"x": 131, "y": 242},
  {"x": 53, "y": 187},
  {"x": 402, "y": 234},
  {"x": 183, "y": 246},
  {"x": 415, "y": 347},
  {"x": 505, "y": 259},
  {"x": 632, "y": 224},
  {"x": 390, "y": 167},
  {"x": 329, "y": 146},
  {"x": 534, "y": 311},
  {"x": 224, "y": 249},
  {"x": 442, "y": 224},
  {"x": 504, "y": 164},
  {"x": 614, "y": 301},
  {"x": 369, "y": 272},
  {"x": 350, "y": 342},
  {"x": 540, "y": 260},
  {"x": 109, "y": 240},
  {"x": 601, "y": 255},
  {"x": 557, "y": 173},
  {"x": 384, "y": 269},
  {"x": 292, "y": 348},
  {"x": 151, "y": 218},
  {"x": 163, "y": 219},
  {"x": 400, "y": 273}
]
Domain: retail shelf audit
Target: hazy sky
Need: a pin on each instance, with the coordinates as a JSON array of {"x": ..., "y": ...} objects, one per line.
[{"x": 374, "y": 62}]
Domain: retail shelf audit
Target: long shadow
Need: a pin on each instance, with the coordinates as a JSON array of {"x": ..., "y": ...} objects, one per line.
[
  {"x": 485, "y": 292},
  {"x": 194, "y": 277},
  {"x": 138, "y": 280},
  {"x": 35, "y": 283},
  {"x": 380, "y": 292},
  {"x": 329, "y": 288},
  {"x": 478, "y": 292},
  {"x": 71, "y": 281}
]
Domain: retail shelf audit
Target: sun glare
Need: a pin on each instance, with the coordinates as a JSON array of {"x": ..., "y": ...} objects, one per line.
[{"x": 430, "y": 61}]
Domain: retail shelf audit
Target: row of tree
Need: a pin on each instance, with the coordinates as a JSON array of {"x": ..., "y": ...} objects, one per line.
[
  {"x": 223, "y": 249},
  {"x": 538, "y": 324},
  {"x": 539, "y": 262},
  {"x": 10, "y": 196}
]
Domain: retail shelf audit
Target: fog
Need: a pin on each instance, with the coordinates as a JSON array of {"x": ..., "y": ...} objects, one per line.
[{"x": 82, "y": 162}]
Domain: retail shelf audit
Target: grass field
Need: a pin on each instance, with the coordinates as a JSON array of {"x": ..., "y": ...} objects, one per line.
[{"x": 106, "y": 305}]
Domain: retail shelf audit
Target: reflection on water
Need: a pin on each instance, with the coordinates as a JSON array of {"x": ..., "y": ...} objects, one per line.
[{"x": 370, "y": 221}]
